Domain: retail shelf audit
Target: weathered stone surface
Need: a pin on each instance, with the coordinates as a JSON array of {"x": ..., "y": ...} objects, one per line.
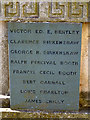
[
  {"x": 8, "y": 113},
  {"x": 84, "y": 59},
  {"x": 4, "y": 74},
  {"x": 44, "y": 11},
  {"x": 89, "y": 11}
]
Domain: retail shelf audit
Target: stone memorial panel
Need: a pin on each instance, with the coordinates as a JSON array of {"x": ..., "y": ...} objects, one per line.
[{"x": 44, "y": 65}]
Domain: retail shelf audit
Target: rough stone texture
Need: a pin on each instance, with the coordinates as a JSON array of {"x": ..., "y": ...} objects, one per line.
[
  {"x": 4, "y": 74},
  {"x": 89, "y": 58},
  {"x": 89, "y": 11},
  {"x": 44, "y": 11},
  {"x": 84, "y": 59},
  {"x": 8, "y": 113}
]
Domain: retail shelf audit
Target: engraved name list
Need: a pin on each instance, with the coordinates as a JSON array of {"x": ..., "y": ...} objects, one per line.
[{"x": 44, "y": 65}]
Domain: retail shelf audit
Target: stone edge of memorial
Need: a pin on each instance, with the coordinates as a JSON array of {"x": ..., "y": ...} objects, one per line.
[
  {"x": 45, "y": 12},
  {"x": 8, "y": 113}
]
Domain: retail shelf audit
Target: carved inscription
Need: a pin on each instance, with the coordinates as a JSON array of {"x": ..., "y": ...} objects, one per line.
[
  {"x": 56, "y": 9},
  {"x": 44, "y": 65},
  {"x": 30, "y": 9},
  {"x": 12, "y": 9},
  {"x": 76, "y": 10}
]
